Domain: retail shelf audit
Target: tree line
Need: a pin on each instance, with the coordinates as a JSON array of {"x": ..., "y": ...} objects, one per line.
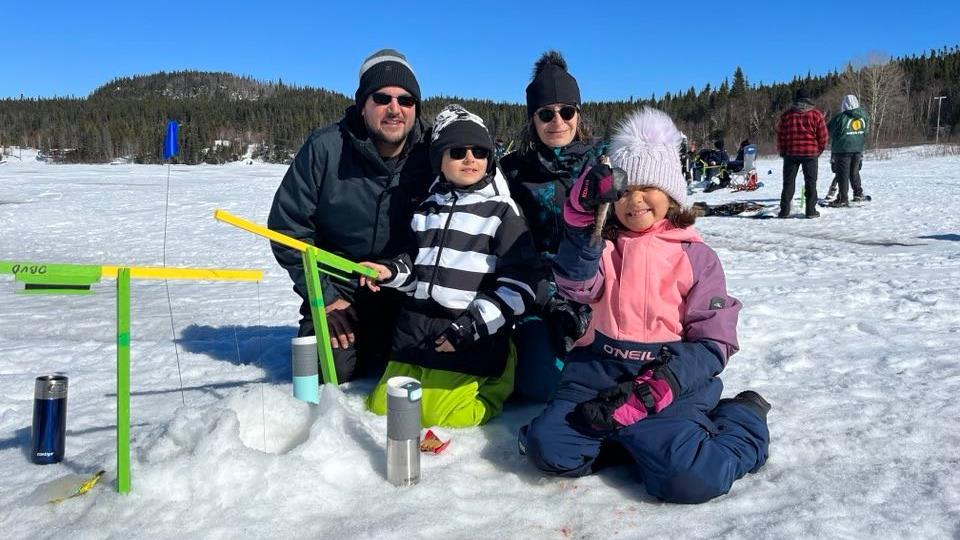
[{"x": 222, "y": 115}]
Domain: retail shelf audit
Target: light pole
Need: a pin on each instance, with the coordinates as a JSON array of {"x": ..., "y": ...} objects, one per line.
[{"x": 939, "y": 102}]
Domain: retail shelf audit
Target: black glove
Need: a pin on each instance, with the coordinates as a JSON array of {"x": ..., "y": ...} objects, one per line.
[
  {"x": 462, "y": 332},
  {"x": 567, "y": 321},
  {"x": 601, "y": 184},
  {"x": 597, "y": 413}
]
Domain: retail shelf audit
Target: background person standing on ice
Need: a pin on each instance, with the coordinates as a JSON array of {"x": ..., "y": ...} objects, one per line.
[
  {"x": 468, "y": 276},
  {"x": 848, "y": 133},
  {"x": 554, "y": 146},
  {"x": 352, "y": 189},
  {"x": 644, "y": 377},
  {"x": 801, "y": 138}
]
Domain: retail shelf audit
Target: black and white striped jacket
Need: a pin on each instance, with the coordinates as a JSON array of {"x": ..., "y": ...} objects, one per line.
[{"x": 473, "y": 253}]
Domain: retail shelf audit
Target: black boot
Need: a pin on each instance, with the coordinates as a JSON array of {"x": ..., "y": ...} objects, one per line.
[
  {"x": 755, "y": 401},
  {"x": 751, "y": 400}
]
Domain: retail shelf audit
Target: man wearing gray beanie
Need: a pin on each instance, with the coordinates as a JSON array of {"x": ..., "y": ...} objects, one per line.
[{"x": 352, "y": 189}]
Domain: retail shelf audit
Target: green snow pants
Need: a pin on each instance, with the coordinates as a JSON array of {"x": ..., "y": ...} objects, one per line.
[{"x": 450, "y": 399}]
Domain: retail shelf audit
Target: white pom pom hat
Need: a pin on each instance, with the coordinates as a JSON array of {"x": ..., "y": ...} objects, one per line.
[{"x": 646, "y": 145}]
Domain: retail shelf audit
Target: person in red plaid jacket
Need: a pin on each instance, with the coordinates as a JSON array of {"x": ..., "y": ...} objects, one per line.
[{"x": 801, "y": 138}]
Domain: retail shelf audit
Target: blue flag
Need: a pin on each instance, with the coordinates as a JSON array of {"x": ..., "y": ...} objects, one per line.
[{"x": 170, "y": 147}]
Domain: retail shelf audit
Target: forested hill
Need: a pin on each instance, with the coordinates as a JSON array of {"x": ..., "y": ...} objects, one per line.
[
  {"x": 222, "y": 114},
  {"x": 186, "y": 85}
]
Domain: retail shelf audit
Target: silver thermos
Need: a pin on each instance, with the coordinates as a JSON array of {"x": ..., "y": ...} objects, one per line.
[{"x": 403, "y": 430}]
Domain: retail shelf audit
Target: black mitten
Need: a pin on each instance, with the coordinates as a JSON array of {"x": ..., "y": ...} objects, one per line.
[
  {"x": 568, "y": 321},
  {"x": 598, "y": 412}
]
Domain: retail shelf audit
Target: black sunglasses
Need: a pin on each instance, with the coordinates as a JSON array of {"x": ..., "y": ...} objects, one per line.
[
  {"x": 385, "y": 99},
  {"x": 567, "y": 112},
  {"x": 461, "y": 152}
]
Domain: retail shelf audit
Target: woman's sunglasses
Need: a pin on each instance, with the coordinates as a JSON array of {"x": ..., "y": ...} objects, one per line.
[
  {"x": 567, "y": 112},
  {"x": 461, "y": 152},
  {"x": 385, "y": 99}
]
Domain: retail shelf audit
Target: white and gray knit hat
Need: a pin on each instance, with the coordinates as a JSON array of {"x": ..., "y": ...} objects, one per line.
[
  {"x": 646, "y": 145},
  {"x": 456, "y": 126}
]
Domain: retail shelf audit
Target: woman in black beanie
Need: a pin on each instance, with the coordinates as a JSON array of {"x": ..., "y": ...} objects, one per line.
[{"x": 554, "y": 146}]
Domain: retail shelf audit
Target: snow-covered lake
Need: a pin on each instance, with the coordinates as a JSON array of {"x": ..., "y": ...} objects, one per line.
[{"x": 850, "y": 328}]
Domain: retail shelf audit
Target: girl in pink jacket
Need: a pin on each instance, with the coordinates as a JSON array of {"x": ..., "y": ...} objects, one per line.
[{"x": 642, "y": 381}]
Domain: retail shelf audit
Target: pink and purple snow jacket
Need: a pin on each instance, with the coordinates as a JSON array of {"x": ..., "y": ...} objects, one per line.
[{"x": 662, "y": 287}]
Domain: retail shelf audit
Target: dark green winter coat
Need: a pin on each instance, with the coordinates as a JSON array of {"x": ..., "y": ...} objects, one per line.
[
  {"x": 340, "y": 195},
  {"x": 540, "y": 181},
  {"x": 848, "y": 131}
]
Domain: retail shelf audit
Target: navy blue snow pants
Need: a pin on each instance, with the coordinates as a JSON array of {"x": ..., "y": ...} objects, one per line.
[{"x": 690, "y": 452}]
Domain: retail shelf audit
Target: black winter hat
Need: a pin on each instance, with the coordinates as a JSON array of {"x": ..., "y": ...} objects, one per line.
[
  {"x": 456, "y": 127},
  {"x": 551, "y": 83},
  {"x": 802, "y": 94},
  {"x": 386, "y": 67}
]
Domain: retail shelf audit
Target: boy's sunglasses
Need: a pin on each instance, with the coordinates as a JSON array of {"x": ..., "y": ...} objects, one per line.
[
  {"x": 385, "y": 99},
  {"x": 567, "y": 112},
  {"x": 461, "y": 152}
]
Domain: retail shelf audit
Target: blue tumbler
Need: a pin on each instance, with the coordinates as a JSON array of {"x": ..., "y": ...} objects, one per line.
[
  {"x": 49, "y": 419},
  {"x": 306, "y": 377}
]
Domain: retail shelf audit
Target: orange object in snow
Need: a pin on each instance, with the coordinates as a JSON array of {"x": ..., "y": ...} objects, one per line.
[{"x": 432, "y": 444}]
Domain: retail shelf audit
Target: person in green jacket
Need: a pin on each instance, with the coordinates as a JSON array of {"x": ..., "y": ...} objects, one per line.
[{"x": 848, "y": 133}]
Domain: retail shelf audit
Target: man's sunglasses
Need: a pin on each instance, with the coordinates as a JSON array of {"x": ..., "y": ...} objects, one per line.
[
  {"x": 461, "y": 152},
  {"x": 567, "y": 112},
  {"x": 385, "y": 99}
]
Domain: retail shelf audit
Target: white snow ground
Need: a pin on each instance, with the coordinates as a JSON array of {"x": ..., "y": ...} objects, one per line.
[{"x": 850, "y": 327}]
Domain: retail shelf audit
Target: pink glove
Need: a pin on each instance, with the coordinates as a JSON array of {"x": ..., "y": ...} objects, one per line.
[
  {"x": 631, "y": 401},
  {"x": 597, "y": 185},
  {"x": 652, "y": 393}
]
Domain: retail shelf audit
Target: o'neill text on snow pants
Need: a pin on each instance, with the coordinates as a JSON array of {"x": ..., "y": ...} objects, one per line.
[
  {"x": 690, "y": 452},
  {"x": 790, "y": 166}
]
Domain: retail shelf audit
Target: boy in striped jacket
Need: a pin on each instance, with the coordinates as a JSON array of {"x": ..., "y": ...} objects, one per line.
[{"x": 468, "y": 276}]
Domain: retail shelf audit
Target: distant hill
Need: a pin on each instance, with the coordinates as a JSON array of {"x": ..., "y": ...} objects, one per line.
[
  {"x": 187, "y": 85},
  {"x": 181, "y": 85}
]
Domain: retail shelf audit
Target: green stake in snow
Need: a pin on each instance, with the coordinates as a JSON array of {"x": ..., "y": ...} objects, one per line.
[
  {"x": 315, "y": 261},
  {"x": 46, "y": 278},
  {"x": 123, "y": 380}
]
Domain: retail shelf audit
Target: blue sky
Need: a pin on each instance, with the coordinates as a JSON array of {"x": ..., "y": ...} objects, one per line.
[{"x": 473, "y": 49}]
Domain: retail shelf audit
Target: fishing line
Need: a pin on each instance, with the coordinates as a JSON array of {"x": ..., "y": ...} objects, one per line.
[
  {"x": 259, "y": 333},
  {"x": 166, "y": 285}
]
